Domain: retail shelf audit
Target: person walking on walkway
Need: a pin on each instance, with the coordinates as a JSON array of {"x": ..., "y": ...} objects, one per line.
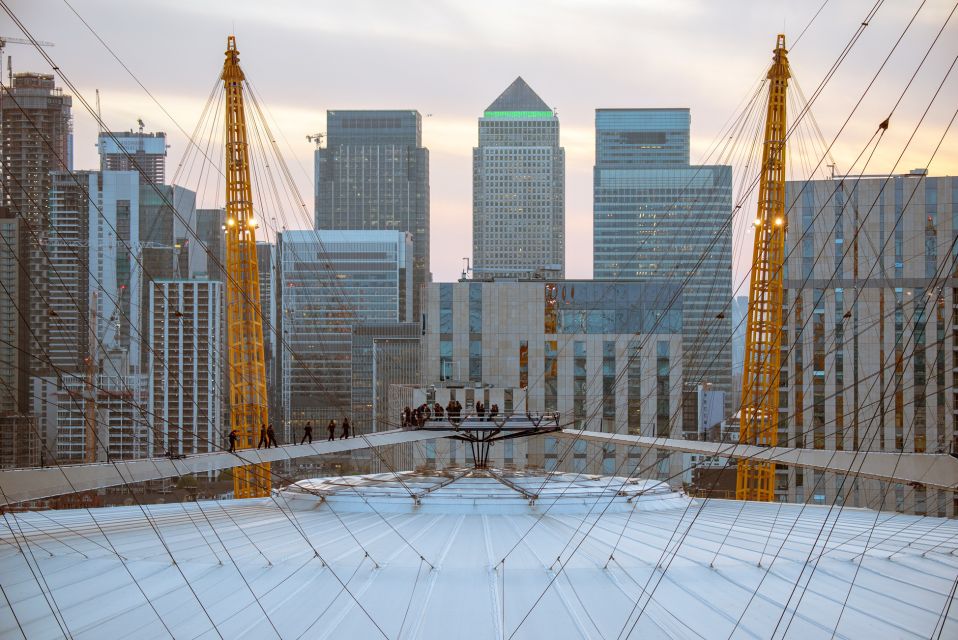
[
  {"x": 232, "y": 438},
  {"x": 272, "y": 437},
  {"x": 263, "y": 437},
  {"x": 307, "y": 433},
  {"x": 345, "y": 429},
  {"x": 331, "y": 427}
]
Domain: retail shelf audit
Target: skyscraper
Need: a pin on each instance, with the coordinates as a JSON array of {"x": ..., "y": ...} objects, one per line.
[
  {"x": 656, "y": 217},
  {"x": 36, "y": 137},
  {"x": 332, "y": 280},
  {"x": 518, "y": 189},
  {"x": 131, "y": 150},
  {"x": 374, "y": 175}
]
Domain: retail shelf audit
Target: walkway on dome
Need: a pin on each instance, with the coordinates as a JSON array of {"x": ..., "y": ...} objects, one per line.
[
  {"x": 939, "y": 470},
  {"x": 21, "y": 485}
]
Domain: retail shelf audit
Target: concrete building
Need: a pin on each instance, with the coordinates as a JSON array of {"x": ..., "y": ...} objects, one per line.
[
  {"x": 120, "y": 411},
  {"x": 143, "y": 153},
  {"x": 330, "y": 281},
  {"x": 186, "y": 366},
  {"x": 36, "y": 138},
  {"x": 374, "y": 174},
  {"x": 606, "y": 355},
  {"x": 870, "y": 344},
  {"x": 518, "y": 189},
  {"x": 657, "y": 217}
]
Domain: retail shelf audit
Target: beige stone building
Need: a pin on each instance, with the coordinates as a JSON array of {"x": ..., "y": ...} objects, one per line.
[{"x": 869, "y": 352}]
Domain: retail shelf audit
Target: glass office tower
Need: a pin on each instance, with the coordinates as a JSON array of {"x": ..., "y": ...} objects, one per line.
[
  {"x": 656, "y": 217},
  {"x": 331, "y": 281},
  {"x": 374, "y": 175},
  {"x": 518, "y": 189}
]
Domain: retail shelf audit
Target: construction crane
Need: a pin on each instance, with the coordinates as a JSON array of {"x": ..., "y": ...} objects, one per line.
[
  {"x": 763, "y": 334},
  {"x": 247, "y": 368},
  {"x": 5, "y": 40}
]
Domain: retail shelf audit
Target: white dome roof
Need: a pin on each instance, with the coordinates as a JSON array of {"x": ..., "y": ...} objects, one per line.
[{"x": 470, "y": 554}]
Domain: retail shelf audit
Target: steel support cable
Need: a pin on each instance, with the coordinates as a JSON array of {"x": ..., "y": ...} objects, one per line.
[
  {"x": 855, "y": 474},
  {"x": 38, "y": 576},
  {"x": 88, "y": 26},
  {"x": 16, "y": 618},
  {"x": 945, "y": 610},
  {"x": 156, "y": 530},
  {"x": 34, "y": 336},
  {"x": 80, "y": 96},
  {"x": 96, "y": 116},
  {"x": 333, "y": 600},
  {"x": 938, "y": 276},
  {"x": 261, "y": 121},
  {"x": 743, "y": 120},
  {"x": 640, "y": 614},
  {"x": 263, "y": 155},
  {"x": 844, "y": 478}
]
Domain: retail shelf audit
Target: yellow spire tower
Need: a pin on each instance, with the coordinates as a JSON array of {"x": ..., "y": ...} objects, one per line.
[
  {"x": 247, "y": 367},
  {"x": 763, "y": 333}
]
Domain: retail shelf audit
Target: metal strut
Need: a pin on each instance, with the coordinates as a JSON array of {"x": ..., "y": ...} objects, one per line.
[
  {"x": 247, "y": 368},
  {"x": 763, "y": 333}
]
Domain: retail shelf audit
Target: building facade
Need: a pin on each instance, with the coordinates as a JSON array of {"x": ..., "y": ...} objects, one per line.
[
  {"x": 518, "y": 189},
  {"x": 186, "y": 366},
  {"x": 373, "y": 174},
  {"x": 383, "y": 354},
  {"x": 330, "y": 281},
  {"x": 657, "y": 217},
  {"x": 36, "y": 139},
  {"x": 143, "y": 153},
  {"x": 870, "y": 352},
  {"x": 606, "y": 355}
]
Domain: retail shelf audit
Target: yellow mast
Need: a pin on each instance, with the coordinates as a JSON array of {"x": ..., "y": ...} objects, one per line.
[
  {"x": 247, "y": 368},
  {"x": 763, "y": 337}
]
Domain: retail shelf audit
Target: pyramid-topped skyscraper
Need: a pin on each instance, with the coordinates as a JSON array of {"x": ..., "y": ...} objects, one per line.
[{"x": 518, "y": 189}]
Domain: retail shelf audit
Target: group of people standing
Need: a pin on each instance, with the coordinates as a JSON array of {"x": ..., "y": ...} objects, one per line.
[
  {"x": 412, "y": 418},
  {"x": 267, "y": 436},
  {"x": 331, "y": 428}
]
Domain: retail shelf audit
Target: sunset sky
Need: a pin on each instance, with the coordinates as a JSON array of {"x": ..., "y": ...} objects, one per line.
[{"x": 450, "y": 59}]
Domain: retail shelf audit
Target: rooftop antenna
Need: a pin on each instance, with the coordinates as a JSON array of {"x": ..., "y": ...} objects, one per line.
[
  {"x": 466, "y": 269},
  {"x": 317, "y": 138}
]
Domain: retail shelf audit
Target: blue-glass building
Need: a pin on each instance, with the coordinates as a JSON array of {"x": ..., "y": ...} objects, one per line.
[
  {"x": 373, "y": 174},
  {"x": 329, "y": 282},
  {"x": 656, "y": 217}
]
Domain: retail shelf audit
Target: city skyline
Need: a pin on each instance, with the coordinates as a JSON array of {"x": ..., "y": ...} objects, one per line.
[{"x": 426, "y": 48}]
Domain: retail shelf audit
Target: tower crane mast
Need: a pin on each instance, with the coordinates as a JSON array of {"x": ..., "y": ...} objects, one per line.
[
  {"x": 247, "y": 368},
  {"x": 763, "y": 334}
]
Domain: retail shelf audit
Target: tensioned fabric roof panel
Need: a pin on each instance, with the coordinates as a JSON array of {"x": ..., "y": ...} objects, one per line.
[{"x": 421, "y": 556}]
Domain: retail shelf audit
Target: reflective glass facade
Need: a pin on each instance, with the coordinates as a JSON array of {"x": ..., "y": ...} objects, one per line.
[
  {"x": 330, "y": 281},
  {"x": 655, "y": 217},
  {"x": 374, "y": 174}
]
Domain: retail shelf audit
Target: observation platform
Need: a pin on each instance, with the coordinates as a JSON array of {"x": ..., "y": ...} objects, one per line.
[{"x": 481, "y": 431}]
